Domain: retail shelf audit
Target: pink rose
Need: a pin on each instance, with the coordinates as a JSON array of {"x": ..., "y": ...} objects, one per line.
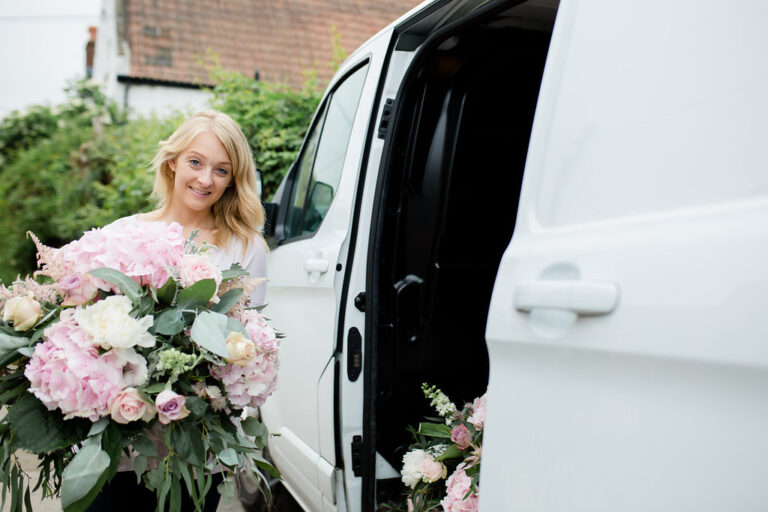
[
  {"x": 77, "y": 290},
  {"x": 461, "y": 436},
  {"x": 129, "y": 406},
  {"x": 196, "y": 267},
  {"x": 478, "y": 414},
  {"x": 432, "y": 469},
  {"x": 170, "y": 407}
]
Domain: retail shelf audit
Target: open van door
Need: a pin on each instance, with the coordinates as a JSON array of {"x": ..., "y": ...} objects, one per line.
[{"x": 627, "y": 336}]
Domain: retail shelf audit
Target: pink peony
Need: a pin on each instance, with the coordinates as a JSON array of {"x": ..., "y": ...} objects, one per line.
[
  {"x": 478, "y": 414},
  {"x": 461, "y": 435},
  {"x": 196, "y": 267},
  {"x": 457, "y": 487},
  {"x": 170, "y": 406},
  {"x": 67, "y": 371},
  {"x": 129, "y": 406}
]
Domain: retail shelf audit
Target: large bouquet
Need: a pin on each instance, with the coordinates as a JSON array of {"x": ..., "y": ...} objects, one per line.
[
  {"x": 135, "y": 352},
  {"x": 442, "y": 467}
]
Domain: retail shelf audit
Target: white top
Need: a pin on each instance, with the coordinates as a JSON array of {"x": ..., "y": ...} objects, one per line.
[{"x": 253, "y": 260}]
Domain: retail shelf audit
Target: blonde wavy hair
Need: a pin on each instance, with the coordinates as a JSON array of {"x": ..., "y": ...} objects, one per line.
[{"x": 238, "y": 212}]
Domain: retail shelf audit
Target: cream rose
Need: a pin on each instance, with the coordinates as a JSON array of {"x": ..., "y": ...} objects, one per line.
[
  {"x": 240, "y": 349},
  {"x": 22, "y": 312},
  {"x": 129, "y": 406},
  {"x": 110, "y": 325}
]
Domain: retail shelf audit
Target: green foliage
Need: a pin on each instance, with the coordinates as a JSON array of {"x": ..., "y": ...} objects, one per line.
[
  {"x": 82, "y": 164},
  {"x": 274, "y": 118}
]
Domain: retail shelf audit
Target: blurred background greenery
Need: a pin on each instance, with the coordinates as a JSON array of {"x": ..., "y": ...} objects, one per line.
[{"x": 85, "y": 163}]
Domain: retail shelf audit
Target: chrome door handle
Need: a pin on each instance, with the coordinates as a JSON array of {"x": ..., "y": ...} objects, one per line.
[
  {"x": 583, "y": 298},
  {"x": 319, "y": 266}
]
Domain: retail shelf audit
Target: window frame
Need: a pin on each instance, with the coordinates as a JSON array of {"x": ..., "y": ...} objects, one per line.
[{"x": 318, "y": 123}]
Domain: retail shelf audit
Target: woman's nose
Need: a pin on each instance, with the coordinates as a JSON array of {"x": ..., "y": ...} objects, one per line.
[{"x": 205, "y": 177}]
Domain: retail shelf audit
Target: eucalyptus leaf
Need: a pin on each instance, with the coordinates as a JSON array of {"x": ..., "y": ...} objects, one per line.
[
  {"x": 169, "y": 322},
  {"x": 188, "y": 443},
  {"x": 228, "y": 300},
  {"x": 10, "y": 343},
  {"x": 236, "y": 325},
  {"x": 82, "y": 474},
  {"x": 155, "y": 388},
  {"x": 128, "y": 286},
  {"x": 208, "y": 331},
  {"x": 144, "y": 446},
  {"x": 139, "y": 466},
  {"x": 253, "y": 427},
  {"x": 196, "y": 295},
  {"x": 98, "y": 427},
  {"x": 197, "y": 407},
  {"x": 26, "y": 351},
  {"x": 229, "y": 457},
  {"x": 232, "y": 272}
]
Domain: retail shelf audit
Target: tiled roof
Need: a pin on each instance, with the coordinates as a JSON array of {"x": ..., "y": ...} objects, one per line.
[{"x": 169, "y": 39}]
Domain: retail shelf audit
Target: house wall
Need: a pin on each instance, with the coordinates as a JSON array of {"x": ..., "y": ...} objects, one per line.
[{"x": 145, "y": 100}]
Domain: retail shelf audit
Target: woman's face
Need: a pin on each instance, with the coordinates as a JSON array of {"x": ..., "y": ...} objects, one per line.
[{"x": 202, "y": 173}]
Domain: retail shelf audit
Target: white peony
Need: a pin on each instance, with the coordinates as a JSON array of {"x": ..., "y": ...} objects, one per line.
[
  {"x": 109, "y": 324},
  {"x": 411, "y": 472},
  {"x": 135, "y": 370}
]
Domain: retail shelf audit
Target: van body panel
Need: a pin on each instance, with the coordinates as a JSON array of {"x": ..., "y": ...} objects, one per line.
[{"x": 645, "y": 170}]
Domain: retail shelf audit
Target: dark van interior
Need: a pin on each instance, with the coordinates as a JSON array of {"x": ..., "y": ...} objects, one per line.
[{"x": 449, "y": 190}]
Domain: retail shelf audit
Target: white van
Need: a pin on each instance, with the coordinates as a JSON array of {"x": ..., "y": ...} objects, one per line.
[{"x": 566, "y": 201}]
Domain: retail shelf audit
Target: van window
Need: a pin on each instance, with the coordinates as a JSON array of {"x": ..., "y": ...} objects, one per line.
[
  {"x": 652, "y": 121},
  {"x": 322, "y": 158}
]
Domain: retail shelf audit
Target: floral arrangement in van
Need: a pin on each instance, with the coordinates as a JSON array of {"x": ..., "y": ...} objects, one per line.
[
  {"x": 135, "y": 350},
  {"x": 442, "y": 466}
]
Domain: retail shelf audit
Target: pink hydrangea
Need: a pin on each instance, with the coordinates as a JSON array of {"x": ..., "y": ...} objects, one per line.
[
  {"x": 66, "y": 371},
  {"x": 249, "y": 385},
  {"x": 146, "y": 252},
  {"x": 259, "y": 331},
  {"x": 457, "y": 487}
]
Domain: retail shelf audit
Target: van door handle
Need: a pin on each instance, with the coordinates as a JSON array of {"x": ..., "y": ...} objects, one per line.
[
  {"x": 319, "y": 266},
  {"x": 583, "y": 298}
]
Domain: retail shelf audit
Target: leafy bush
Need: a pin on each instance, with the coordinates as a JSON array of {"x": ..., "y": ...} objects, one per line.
[{"x": 82, "y": 164}]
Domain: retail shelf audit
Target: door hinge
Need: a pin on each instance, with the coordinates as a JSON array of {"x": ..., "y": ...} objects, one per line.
[
  {"x": 386, "y": 115},
  {"x": 357, "y": 455}
]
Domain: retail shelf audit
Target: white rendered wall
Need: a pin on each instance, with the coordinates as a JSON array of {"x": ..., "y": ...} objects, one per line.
[{"x": 146, "y": 100}]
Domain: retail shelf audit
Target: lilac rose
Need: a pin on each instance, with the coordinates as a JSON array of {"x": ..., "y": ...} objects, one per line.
[{"x": 170, "y": 407}]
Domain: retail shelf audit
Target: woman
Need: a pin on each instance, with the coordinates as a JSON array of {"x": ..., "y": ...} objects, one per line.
[{"x": 204, "y": 180}]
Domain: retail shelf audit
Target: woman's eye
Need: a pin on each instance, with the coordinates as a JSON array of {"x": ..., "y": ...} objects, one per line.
[
  {"x": 222, "y": 172},
  {"x": 194, "y": 161}
]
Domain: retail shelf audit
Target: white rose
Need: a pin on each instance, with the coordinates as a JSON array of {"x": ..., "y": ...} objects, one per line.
[
  {"x": 411, "y": 472},
  {"x": 110, "y": 325}
]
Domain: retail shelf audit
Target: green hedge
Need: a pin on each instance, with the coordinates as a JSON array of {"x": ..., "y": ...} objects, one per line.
[{"x": 82, "y": 164}]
